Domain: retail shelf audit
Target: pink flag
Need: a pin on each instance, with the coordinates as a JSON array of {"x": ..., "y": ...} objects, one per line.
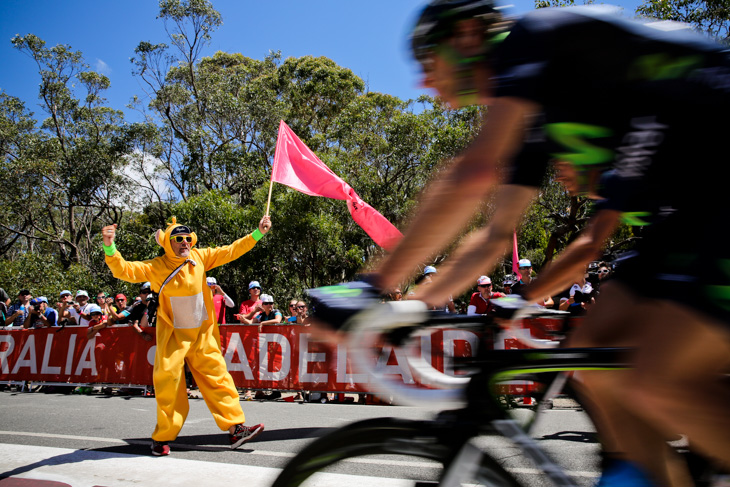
[
  {"x": 296, "y": 166},
  {"x": 515, "y": 257}
]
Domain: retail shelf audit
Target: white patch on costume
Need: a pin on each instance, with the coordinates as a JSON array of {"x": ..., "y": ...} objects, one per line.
[{"x": 188, "y": 311}]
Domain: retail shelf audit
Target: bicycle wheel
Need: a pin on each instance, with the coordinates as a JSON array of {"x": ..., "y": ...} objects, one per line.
[{"x": 390, "y": 436}]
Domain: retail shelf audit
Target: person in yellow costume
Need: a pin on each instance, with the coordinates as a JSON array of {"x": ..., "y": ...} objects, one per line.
[{"x": 186, "y": 329}]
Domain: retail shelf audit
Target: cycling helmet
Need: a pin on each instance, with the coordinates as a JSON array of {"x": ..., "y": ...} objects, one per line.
[{"x": 438, "y": 21}]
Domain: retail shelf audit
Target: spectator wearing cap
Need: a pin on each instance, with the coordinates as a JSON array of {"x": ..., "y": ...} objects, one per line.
[
  {"x": 526, "y": 272},
  {"x": 97, "y": 322},
  {"x": 507, "y": 285},
  {"x": 221, "y": 300},
  {"x": 252, "y": 305},
  {"x": 64, "y": 304},
  {"x": 78, "y": 313},
  {"x": 130, "y": 314},
  {"x": 426, "y": 279},
  {"x": 481, "y": 301},
  {"x": 268, "y": 315},
  {"x": 40, "y": 315},
  {"x": 18, "y": 311}
]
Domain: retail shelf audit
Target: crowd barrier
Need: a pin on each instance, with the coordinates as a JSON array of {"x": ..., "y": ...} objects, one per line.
[{"x": 281, "y": 357}]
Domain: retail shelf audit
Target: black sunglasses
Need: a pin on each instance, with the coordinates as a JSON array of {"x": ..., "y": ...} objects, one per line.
[
  {"x": 301, "y": 307},
  {"x": 182, "y": 238}
]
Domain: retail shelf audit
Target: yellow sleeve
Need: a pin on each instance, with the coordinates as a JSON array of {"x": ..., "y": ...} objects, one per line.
[
  {"x": 216, "y": 256},
  {"x": 129, "y": 271}
]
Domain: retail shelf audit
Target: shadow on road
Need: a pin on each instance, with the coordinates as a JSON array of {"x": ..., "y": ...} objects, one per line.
[{"x": 574, "y": 436}]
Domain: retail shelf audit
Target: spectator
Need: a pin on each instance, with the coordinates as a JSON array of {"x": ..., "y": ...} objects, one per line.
[
  {"x": 133, "y": 313},
  {"x": 302, "y": 314},
  {"x": 507, "y": 285},
  {"x": 186, "y": 329},
  {"x": 481, "y": 301},
  {"x": 268, "y": 315},
  {"x": 78, "y": 313},
  {"x": 4, "y": 303},
  {"x": 120, "y": 304},
  {"x": 221, "y": 300},
  {"x": 292, "y": 318},
  {"x": 64, "y": 306},
  {"x": 526, "y": 276},
  {"x": 18, "y": 311},
  {"x": 427, "y": 278},
  {"x": 579, "y": 300},
  {"x": 395, "y": 295},
  {"x": 104, "y": 301},
  {"x": 97, "y": 321},
  {"x": 526, "y": 271},
  {"x": 251, "y": 306},
  {"x": 40, "y": 315}
]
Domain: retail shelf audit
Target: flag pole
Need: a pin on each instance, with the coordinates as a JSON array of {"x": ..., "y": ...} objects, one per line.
[{"x": 268, "y": 203}]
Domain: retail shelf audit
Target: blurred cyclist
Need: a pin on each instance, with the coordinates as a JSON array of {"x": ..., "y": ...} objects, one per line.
[{"x": 634, "y": 116}]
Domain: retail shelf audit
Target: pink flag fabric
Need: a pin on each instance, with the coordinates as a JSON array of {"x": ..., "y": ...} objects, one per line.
[
  {"x": 296, "y": 166},
  {"x": 515, "y": 257}
]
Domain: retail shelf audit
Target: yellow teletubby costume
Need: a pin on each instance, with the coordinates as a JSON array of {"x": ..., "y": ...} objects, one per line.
[{"x": 186, "y": 329}]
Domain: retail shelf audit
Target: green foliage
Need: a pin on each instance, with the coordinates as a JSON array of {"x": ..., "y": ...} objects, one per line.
[
  {"x": 711, "y": 17},
  {"x": 209, "y": 135}
]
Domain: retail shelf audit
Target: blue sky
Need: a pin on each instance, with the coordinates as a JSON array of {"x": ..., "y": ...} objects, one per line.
[{"x": 367, "y": 37}]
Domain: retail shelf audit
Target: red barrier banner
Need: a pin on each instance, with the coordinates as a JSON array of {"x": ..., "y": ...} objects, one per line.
[{"x": 283, "y": 357}]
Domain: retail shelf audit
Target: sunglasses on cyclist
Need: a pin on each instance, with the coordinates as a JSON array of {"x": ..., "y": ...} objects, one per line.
[
  {"x": 182, "y": 238},
  {"x": 603, "y": 271}
]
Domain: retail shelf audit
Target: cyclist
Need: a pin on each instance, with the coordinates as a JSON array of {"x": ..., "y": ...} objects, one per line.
[{"x": 625, "y": 108}]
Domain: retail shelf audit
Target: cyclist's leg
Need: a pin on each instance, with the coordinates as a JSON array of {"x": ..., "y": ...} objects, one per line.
[
  {"x": 678, "y": 379},
  {"x": 615, "y": 320}
]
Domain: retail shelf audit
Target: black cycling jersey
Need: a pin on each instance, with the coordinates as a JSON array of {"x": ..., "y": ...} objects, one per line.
[
  {"x": 617, "y": 93},
  {"x": 648, "y": 105}
]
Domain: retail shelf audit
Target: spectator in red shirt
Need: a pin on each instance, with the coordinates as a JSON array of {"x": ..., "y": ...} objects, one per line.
[
  {"x": 252, "y": 306},
  {"x": 481, "y": 301},
  {"x": 221, "y": 300}
]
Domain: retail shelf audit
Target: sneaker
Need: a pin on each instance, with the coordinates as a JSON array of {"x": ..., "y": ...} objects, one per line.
[
  {"x": 242, "y": 434},
  {"x": 160, "y": 448},
  {"x": 248, "y": 396}
]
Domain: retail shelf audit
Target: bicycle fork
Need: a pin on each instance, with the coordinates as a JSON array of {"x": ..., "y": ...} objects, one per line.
[
  {"x": 510, "y": 429},
  {"x": 465, "y": 465}
]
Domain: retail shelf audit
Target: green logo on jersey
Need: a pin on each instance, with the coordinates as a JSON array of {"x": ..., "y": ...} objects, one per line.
[
  {"x": 721, "y": 294},
  {"x": 634, "y": 218},
  {"x": 654, "y": 67},
  {"x": 341, "y": 291},
  {"x": 572, "y": 136}
]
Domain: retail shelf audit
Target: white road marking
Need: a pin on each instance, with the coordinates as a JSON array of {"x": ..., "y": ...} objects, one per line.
[{"x": 184, "y": 446}]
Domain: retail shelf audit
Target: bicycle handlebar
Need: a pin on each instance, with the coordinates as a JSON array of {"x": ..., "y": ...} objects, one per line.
[{"x": 367, "y": 328}]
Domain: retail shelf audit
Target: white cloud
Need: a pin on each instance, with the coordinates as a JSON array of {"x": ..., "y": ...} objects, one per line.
[
  {"x": 102, "y": 67},
  {"x": 145, "y": 183}
]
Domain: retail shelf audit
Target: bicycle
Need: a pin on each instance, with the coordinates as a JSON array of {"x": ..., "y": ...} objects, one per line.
[{"x": 449, "y": 437}]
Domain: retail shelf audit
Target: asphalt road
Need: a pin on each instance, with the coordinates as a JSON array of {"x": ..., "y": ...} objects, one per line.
[{"x": 101, "y": 440}]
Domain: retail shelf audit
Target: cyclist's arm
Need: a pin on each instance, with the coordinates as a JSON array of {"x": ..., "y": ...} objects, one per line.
[
  {"x": 452, "y": 198},
  {"x": 572, "y": 262},
  {"x": 482, "y": 248}
]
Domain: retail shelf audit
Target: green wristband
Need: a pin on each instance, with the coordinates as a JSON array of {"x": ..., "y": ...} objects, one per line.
[
  {"x": 257, "y": 235},
  {"x": 109, "y": 250}
]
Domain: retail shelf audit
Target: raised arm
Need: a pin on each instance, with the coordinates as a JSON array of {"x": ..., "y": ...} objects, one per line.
[{"x": 454, "y": 196}]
